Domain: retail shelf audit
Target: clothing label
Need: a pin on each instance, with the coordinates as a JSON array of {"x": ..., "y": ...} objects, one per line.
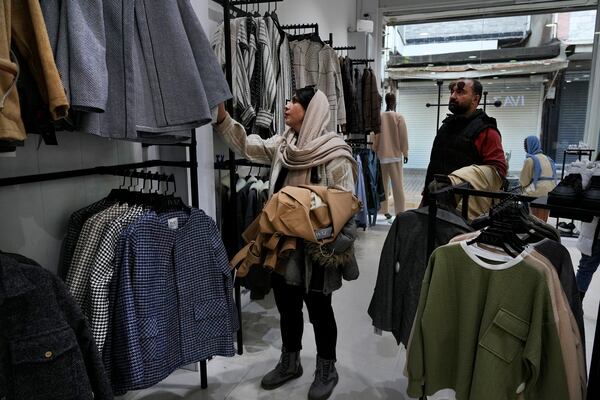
[
  {"x": 324, "y": 233},
  {"x": 173, "y": 223}
]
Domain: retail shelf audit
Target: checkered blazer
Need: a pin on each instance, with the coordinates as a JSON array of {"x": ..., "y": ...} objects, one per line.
[
  {"x": 91, "y": 234},
  {"x": 76, "y": 222},
  {"x": 102, "y": 271},
  {"x": 172, "y": 299}
]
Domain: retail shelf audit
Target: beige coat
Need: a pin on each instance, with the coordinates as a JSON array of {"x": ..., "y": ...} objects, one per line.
[
  {"x": 293, "y": 213},
  {"x": 24, "y": 25},
  {"x": 526, "y": 179},
  {"x": 392, "y": 141},
  {"x": 481, "y": 177}
]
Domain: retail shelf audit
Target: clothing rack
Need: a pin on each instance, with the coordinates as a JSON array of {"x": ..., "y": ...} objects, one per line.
[
  {"x": 118, "y": 170},
  {"x": 341, "y": 48},
  {"x": 314, "y": 27},
  {"x": 363, "y": 61},
  {"x": 463, "y": 189},
  {"x": 228, "y": 7},
  {"x": 574, "y": 152}
]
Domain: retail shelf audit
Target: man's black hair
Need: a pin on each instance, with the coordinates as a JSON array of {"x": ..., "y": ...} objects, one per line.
[{"x": 477, "y": 86}]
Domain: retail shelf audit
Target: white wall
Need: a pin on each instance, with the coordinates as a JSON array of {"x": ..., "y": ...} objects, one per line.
[
  {"x": 334, "y": 16},
  {"x": 35, "y": 215}
]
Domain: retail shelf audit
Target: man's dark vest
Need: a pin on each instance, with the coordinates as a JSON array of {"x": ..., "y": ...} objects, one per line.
[{"x": 454, "y": 145}]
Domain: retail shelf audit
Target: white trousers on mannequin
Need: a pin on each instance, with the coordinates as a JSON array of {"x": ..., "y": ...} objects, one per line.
[{"x": 393, "y": 172}]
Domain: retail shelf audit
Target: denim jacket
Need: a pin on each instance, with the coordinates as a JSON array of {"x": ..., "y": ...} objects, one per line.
[{"x": 46, "y": 349}]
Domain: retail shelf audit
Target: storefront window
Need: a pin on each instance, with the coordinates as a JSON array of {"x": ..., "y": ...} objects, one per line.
[{"x": 537, "y": 66}]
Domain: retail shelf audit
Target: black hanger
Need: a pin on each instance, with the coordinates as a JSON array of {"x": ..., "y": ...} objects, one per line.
[
  {"x": 117, "y": 194},
  {"x": 168, "y": 202},
  {"x": 249, "y": 173},
  {"x": 499, "y": 237}
]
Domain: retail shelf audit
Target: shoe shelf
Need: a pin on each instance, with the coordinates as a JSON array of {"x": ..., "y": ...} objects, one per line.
[{"x": 560, "y": 211}]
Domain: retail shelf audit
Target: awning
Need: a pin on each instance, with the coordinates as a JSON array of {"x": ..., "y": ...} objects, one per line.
[{"x": 446, "y": 72}]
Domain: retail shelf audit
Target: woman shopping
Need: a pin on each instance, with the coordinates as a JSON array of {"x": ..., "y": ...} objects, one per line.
[
  {"x": 305, "y": 154},
  {"x": 538, "y": 176}
]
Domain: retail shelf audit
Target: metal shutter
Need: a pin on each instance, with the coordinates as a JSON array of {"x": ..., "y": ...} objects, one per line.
[
  {"x": 572, "y": 112},
  {"x": 518, "y": 117}
]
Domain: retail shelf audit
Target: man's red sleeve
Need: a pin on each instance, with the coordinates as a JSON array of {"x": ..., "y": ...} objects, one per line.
[{"x": 489, "y": 145}]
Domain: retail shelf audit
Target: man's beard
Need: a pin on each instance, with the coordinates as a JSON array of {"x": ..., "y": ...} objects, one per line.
[{"x": 457, "y": 109}]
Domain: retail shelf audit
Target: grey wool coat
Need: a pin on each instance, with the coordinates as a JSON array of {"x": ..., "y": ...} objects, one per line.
[
  {"x": 402, "y": 266},
  {"x": 149, "y": 73}
]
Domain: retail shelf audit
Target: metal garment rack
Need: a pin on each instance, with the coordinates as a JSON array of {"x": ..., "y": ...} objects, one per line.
[
  {"x": 229, "y": 7},
  {"x": 439, "y": 84},
  {"x": 363, "y": 61},
  {"x": 341, "y": 48},
  {"x": 314, "y": 27},
  {"x": 574, "y": 152},
  {"x": 117, "y": 170}
]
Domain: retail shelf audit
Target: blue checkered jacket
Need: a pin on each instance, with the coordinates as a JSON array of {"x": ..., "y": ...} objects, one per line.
[{"x": 171, "y": 299}]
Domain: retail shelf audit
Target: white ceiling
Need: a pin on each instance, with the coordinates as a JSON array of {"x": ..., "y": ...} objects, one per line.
[{"x": 414, "y": 11}]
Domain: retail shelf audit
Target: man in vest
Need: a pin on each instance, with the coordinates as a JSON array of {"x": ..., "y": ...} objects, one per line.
[{"x": 468, "y": 136}]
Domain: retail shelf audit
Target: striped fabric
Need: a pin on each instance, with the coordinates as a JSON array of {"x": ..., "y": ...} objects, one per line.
[
  {"x": 264, "y": 117},
  {"x": 317, "y": 64}
]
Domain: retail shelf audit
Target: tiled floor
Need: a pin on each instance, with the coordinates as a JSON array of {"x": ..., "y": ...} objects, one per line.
[{"x": 370, "y": 366}]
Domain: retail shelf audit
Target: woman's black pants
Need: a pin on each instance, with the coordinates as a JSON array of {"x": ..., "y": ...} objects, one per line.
[{"x": 289, "y": 300}]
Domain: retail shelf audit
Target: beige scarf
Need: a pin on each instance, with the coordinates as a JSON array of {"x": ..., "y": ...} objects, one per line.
[{"x": 315, "y": 145}]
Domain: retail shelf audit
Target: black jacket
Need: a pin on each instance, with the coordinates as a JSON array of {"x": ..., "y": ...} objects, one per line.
[
  {"x": 47, "y": 351},
  {"x": 454, "y": 145},
  {"x": 402, "y": 267}
]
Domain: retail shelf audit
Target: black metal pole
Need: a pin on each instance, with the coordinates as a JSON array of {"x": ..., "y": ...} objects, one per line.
[
  {"x": 485, "y": 100},
  {"x": 193, "y": 154},
  {"x": 232, "y": 180},
  {"x": 101, "y": 170},
  {"x": 439, "y": 84}
]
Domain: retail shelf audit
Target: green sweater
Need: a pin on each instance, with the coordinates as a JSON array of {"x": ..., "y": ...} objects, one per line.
[{"x": 483, "y": 330}]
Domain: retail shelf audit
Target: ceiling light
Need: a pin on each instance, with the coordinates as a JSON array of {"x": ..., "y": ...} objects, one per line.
[
  {"x": 424, "y": 34},
  {"x": 472, "y": 56},
  {"x": 533, "y": 72},
  {"x": 495, "y": 77},
  {"x": 552, "y": 24},
  {"x": 502, "y": 70},
  {"x": 568, "y": 81},
  {"x": 430, "y": 65},
  {"x": 508, "y": 87}
]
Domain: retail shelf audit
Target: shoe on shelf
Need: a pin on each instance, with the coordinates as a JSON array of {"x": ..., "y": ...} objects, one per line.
[
  {"x": 568, "y": 191},
  {"x": 287, "y": 368},
  {"x": 590, "y": 197}
]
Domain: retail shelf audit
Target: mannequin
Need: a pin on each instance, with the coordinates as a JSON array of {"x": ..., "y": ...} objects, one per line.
[{"x": 391, "y": 146}]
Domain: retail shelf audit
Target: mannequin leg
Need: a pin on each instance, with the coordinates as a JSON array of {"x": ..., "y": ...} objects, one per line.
[
  {"x": 385, "y": 174},
  {"x": 396, "y": 175}
]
